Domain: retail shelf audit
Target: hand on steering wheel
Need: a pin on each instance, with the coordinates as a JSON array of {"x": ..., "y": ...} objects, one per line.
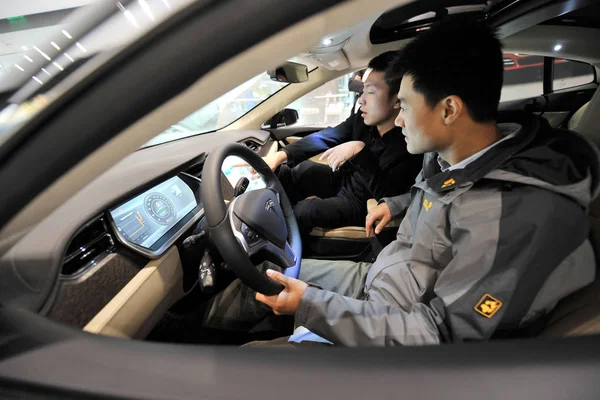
[
  {"x": 258, "y": 222},
  {"x": 287, "y": 301}
]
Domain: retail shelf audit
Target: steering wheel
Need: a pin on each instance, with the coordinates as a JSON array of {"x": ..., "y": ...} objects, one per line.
[{"x": 258, "y": 222}]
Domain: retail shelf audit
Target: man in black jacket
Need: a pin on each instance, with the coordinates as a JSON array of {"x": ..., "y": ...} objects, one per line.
[{"x": 366, "y": 158}]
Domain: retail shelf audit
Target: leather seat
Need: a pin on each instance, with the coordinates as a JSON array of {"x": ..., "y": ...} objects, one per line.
[
  {"x": 579, "y": 313},
  {"x": 576, "y": 118},
  {"x": 351, "y": 232}
]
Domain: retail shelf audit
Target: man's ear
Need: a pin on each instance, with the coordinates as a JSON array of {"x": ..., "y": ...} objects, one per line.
[{"x": 452, "y": 107}]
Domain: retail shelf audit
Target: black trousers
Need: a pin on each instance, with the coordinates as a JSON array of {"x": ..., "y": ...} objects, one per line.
[{"x": 333, "y": 209}]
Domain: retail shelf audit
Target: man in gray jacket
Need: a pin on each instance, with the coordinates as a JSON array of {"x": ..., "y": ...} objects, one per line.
[{"x": 496, "y": 228}]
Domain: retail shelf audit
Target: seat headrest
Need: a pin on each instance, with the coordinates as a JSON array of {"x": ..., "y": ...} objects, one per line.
[
  {"x": 576, "y": 118},
  {"x": 588, "y": 120}
]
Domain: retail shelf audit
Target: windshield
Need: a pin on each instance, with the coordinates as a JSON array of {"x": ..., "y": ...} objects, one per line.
[
  {"x": 46, "y": 69},
  {"x": 47, "y": 49},
  {"x": 223, "y": 111}
]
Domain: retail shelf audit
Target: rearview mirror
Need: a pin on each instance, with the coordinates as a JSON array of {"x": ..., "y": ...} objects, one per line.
[
  {"x": 285, "y": 117},
  {"x": 290, "y": 72}
]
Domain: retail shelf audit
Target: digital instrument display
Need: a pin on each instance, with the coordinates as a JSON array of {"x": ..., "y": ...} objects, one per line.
[
  {"x": 236, "y": 168},
  {"x": 144, "y": 219}
]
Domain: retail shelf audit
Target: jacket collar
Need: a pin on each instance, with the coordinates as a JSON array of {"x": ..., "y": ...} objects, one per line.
[{"x": 448, "y": 180}]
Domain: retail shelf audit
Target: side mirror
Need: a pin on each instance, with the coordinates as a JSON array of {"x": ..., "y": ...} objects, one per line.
[
  {"x": 285, "y": 117},
  {"x": 290, "y": 72}
]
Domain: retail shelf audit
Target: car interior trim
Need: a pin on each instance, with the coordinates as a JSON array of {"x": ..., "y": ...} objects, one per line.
[{"x": 140, "y": 304}]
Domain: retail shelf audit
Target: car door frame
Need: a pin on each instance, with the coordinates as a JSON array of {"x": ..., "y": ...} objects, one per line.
[
  {"x": 40, "y": 358},
  {"x": 552, "y": 102}
]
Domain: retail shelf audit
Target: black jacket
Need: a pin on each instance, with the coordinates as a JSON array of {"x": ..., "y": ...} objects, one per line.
[{"x": 383, "y": 168}]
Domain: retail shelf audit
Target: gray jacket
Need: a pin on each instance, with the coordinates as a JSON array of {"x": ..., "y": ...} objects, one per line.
[{"x": 486, "y": 249}]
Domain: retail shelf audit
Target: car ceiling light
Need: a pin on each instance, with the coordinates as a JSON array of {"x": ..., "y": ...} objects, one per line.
[
  {"x": 42, "y": 53},
  {"x": 55, "y": 45},
  {"x": 146, "y": 9},
  {"x": 81, "y": 47},
  {"x": 24, "y": 48},
  {"x": 19, "y": 68},
  {"x": 327, "y": 42},
  {"x": 557, "y": 47},
  {"x": 57, "y": 65},
  {"x": 46, "y": 72},
  {"x": 69, "y": 57},
  {"x": 128, "y": 14},
  {"x": 67, "y": 34},
  {"x": 28, "y": 59},
  {"x": 35, "y": 78}
]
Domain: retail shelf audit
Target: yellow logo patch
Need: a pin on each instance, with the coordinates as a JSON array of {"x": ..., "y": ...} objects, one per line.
[
  {"x": 488, "y": 305},
  {"x": 427, "y": 204},
  {"x": 449, "y": 182}
]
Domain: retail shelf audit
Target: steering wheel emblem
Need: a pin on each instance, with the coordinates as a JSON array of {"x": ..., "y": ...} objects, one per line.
[{"x": 269, "y": 206}]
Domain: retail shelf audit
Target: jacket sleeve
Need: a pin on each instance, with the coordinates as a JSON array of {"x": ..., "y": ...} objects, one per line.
[
  {"x": 496, "y": 261},
  {"x": 351, "y": 322},
  {"x": 318, "y": 142},
  {"x": 397, "y": 204},
  {"x": 380, "y": 182}
]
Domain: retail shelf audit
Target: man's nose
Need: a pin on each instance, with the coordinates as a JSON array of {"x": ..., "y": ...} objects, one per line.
[
  {"x": 399, "y": 121},
  {"x": 361, "y": 100}
]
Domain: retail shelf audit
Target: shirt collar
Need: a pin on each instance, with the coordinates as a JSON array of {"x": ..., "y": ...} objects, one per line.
[{"x": 508, "y": 130}]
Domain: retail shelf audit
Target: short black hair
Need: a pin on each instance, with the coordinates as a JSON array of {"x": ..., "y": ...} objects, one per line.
[
  {"x": 359, "y": 73},
  {"x": 382, "y": 63},
  {"x": 457, "y": 56}
]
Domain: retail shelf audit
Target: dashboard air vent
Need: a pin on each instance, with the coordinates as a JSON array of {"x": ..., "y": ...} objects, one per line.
[
  {"x": 196, "y": 168},
  {"x": 90, "y": 244},
  {"x": 252, "y": 145}
]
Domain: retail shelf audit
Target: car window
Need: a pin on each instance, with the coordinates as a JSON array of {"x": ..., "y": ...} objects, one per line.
[
  {"x": 329, "y": 104},
  {"x": 61, "y": 48},
  {"x": 568, "y": 74},
  {"x": 43, "y": 58},
  {"x": 223, "y": 111},
  {"x": 523, "y": 77},
  {"x": 67, "y": 53}
]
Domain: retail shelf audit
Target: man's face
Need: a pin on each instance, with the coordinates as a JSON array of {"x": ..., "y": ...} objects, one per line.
[
  {"x": 377, "y": 103},
  {"x": 421, "y": 125}
]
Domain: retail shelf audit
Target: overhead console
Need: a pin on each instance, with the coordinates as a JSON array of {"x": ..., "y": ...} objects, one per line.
[{"x": 408, "y": 20}]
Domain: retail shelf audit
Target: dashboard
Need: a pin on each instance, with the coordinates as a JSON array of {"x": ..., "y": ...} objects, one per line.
[
  {"x": 153, "y": 220},
  {"x": 125, "y": 220},
  {"x": 144, "y": 219}
]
